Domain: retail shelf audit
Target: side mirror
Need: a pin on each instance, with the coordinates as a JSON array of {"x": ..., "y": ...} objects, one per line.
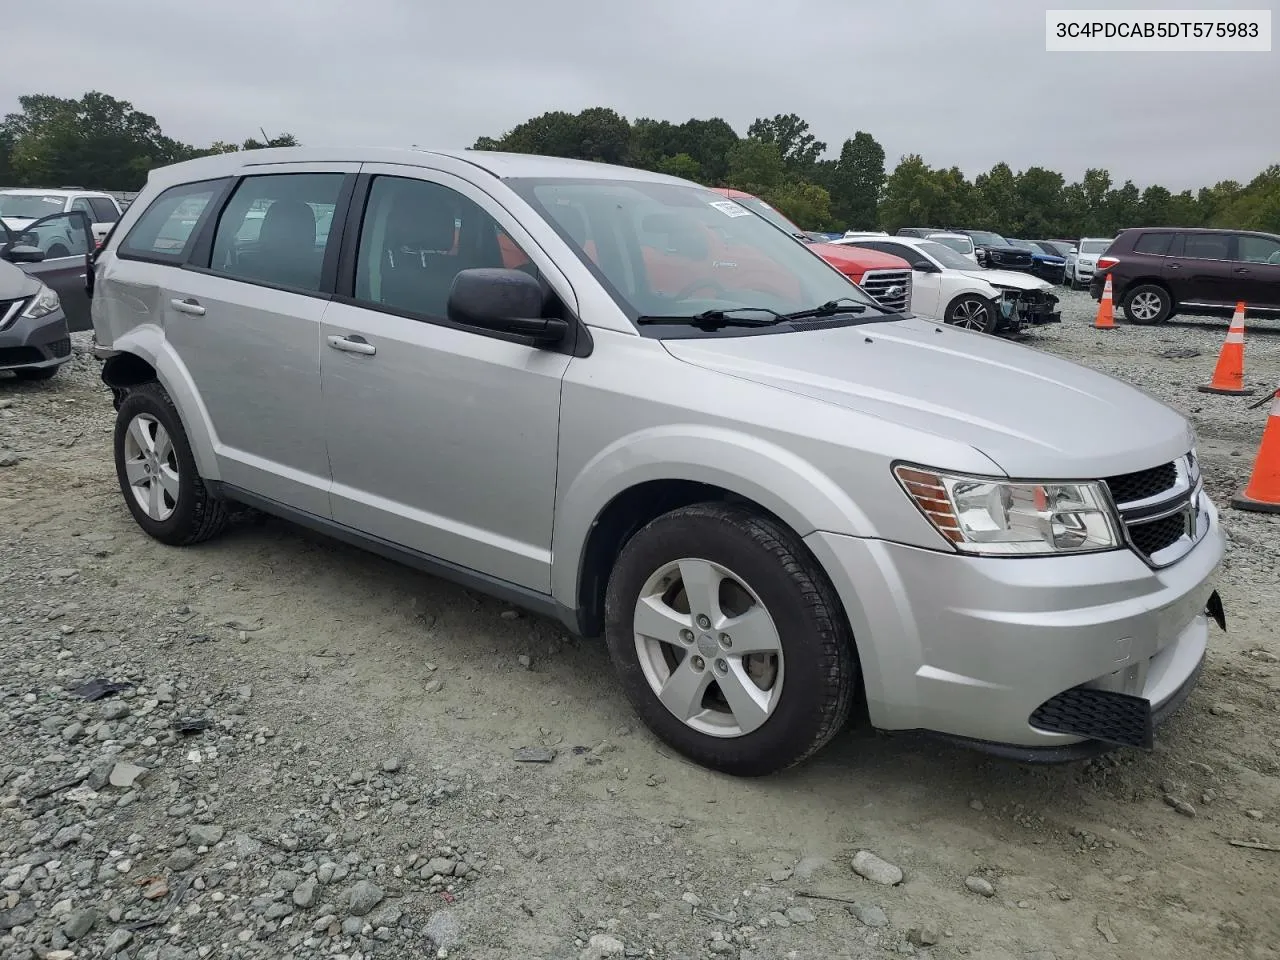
[
  {"x": 19, "y": 253},
  {"x": 925, "y": 266},
  {"x": 507, "y": 301}
]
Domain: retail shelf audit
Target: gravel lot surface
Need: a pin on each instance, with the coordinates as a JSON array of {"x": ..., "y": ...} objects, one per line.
[{"x": 315, "y": 753}]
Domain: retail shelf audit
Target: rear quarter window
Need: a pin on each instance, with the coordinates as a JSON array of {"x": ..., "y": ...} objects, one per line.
[
  {"x": 167, "y": 228},
  {"x": 1155, "y": 244}
]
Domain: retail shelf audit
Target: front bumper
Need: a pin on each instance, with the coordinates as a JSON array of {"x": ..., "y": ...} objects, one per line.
[
  {"x": 971, "y": 647},
  {"x": 33, "y": 344}
]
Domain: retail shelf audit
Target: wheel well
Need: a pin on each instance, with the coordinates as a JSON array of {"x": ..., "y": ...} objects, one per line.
[
  {"x": 1146, "y": 282},
  {"x": 125, "y": 370},
  {"x": 618, "y": 522}
]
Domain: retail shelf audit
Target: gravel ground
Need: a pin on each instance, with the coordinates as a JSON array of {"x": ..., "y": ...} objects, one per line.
[{"x": 309, "y": 752}]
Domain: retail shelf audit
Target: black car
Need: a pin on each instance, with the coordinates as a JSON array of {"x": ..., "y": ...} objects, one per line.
[
  {"x": 1158, "y": 272},
  {"x": 996, "y": 252}
]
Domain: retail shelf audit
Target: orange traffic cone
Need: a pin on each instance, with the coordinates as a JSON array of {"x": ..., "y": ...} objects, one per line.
[
  {"x": 1105, "y": 320},
  {"x": 1262, "y": 495},
  {"x": 1228, "y": 375}
]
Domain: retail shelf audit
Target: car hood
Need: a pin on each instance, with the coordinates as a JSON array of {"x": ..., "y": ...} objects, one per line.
[
  {"x": 18, "y": 223},
  {"x": 1009, "y": 278},
  {"x": 14, "y": 283},
  {"x": 849, "y": 259},
  {"x": 1037, "y": 416}
]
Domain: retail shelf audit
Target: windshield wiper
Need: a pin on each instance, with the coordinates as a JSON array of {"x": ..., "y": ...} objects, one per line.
[{"x": 715, "y": 319}]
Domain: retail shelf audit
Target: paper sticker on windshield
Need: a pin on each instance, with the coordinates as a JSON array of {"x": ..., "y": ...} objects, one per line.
[{"x": 731, "y": 209}]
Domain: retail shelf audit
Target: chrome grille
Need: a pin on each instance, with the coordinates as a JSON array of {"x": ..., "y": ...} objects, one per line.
[
  {"x": 1162, "y": 509},
  {"x": 889, "y": 288}
]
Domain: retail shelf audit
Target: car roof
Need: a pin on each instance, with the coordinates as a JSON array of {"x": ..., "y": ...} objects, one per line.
[
  {"x": 54, "y": 192},
  {"x": 949, "y": 234},
  {"x": 501, "y": 165}
]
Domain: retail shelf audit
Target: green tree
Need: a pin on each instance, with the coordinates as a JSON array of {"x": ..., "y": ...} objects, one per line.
[
  {"x": 856, "y": 182},
  {"x": 680, "y": 165},
  {"x": 798, "y": 147},
  {"x": 597, "y": 133},
  {"x": 97, "y": 142},
  {"x": 756, "y": 166},
  {"x": 1038, "y": 203},
  {"x": 709, "y": 142},
  {"x": 996, "y": 196},
  {"x": 805, "y": 203}
]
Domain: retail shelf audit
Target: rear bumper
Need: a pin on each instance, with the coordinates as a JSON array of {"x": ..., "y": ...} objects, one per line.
[
  {"x": 975, "y": 648},
  {"x": 33, "y": 344}
]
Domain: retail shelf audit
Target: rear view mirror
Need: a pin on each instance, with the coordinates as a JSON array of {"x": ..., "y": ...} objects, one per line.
[
  {"x": 506, "y": 301},
  {"x": 20, "y": 253}
]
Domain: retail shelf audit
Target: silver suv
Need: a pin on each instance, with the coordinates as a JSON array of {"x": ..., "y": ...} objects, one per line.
[{"x": 620, "y": 399}]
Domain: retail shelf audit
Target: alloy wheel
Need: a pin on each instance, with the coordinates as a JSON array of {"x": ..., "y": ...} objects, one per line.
[
  {"x": 1146, "y": 306},
  {"x": 708, "y": 648},
  {"x": 151, "y": 464},
  {"x": 970, "y": 314}
]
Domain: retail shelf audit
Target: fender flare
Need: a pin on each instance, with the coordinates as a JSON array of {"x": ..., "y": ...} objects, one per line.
[
  {"x": 148, "y": 343},
  {"x": 794, "y": 490}
]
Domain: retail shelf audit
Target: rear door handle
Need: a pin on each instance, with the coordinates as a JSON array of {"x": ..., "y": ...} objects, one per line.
[
  {"x": 353, "y": 344},
  {"x": 1243, "y": 270},
  {"x": 187, "y": 306}
]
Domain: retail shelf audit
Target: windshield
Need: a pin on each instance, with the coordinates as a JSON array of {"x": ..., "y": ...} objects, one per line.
[
  {"x": 675, "y": 250},
  {"x": 958, "y": 244},
  {"x": 985, "y": 238},
  {"x": 949, "y": 258},
  {"x": 29, "y": 206},
  {"x": 1094, "y": 246}
]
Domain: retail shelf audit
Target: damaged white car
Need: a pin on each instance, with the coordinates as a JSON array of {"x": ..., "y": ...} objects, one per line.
[{"x": 948, "y": 286}]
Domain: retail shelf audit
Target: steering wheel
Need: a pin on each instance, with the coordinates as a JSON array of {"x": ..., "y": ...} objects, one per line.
[{"x": 688, "y": 290}]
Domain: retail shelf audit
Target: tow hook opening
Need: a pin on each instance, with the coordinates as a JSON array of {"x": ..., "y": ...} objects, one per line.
[{"x": 1214, "y": 609}]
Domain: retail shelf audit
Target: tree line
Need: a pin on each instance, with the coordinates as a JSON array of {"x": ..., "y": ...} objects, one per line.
[
  {"x": 100, "y": 142},
  {"x": 95, "y": 142},
  {"x": 780, "y": 160}
]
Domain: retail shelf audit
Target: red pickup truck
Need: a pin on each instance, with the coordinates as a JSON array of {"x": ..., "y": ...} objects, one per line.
[{"x": 885, "y": 277}]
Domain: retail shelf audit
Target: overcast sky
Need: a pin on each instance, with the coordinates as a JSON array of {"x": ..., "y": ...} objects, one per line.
[{"x": 963, "y": 82}]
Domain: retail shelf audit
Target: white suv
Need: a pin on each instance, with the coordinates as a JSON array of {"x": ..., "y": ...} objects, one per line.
[
  {"x": 1083, "y": 260},
  {"x": 19, "y": 208}
]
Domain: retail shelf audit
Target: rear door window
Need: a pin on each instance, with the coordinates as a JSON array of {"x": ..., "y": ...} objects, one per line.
[
  {"x": 166, "y": 229},
  {"x": 275, "y": 229},
  {"x": 1154, "y": 244},
  {"x": 1207, "y": 246},
  {"x": 104, "y": 211}
]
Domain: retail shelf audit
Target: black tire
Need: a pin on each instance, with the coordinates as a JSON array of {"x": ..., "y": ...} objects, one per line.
[
  {"x": 57, "y": 251},
  {"x": 820, "y": 669},
  {"x": 37, "y": 373},
  {"x": 972, "y": 301},
  {"x": 197, "y": 515},
  {"x": 1150, "y": 293}
]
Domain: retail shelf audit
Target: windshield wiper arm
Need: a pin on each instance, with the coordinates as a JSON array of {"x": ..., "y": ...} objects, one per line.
[{"x": 714, "y": 319}]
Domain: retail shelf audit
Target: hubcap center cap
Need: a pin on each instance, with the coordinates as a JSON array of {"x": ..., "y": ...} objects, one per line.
[{"x": 707, "y": 645}]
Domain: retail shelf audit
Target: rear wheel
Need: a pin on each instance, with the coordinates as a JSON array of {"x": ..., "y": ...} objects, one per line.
[
  {"x": 1147, "y": 304},
  {"x": 728, "y": 639},
  {"x": 57, "y": 251},
  {"x": 972, "y": 312},
  {"x": 157, "y": 471}
]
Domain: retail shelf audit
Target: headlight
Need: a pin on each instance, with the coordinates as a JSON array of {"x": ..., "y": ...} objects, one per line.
[
  {"x": 43, "y": 304},
  {"x": 1006, "y": 518}
]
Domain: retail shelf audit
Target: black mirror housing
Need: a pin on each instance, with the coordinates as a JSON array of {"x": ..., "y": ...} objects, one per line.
[
  {"x": 20, "y": 253},
  {"x": 506, "y": 301},
  {"x": 925, "y": 266}
]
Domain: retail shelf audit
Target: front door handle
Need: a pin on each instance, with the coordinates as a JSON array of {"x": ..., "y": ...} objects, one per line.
[
  {"x": 187, "y": 306},
  {"x": 1244, "y": 270},
  {"x": 353, "y": 344}
]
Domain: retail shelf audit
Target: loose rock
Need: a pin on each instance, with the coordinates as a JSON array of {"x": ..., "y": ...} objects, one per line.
[
  {"x": 867, "y": 865},
  {"x": 980, "y": 886}
]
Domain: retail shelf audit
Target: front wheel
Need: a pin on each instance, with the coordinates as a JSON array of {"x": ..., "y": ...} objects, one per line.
[
  {"x": 157, "y": 471},
  {"x": 57, "y": 252},
  {"x": 972, "y": 312},
  {"x": 1147, "y": 304},
  {"x": 729, "y": 640}
]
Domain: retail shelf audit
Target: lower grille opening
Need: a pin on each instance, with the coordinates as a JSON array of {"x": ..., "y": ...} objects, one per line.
[
  {"x": 12, "y": 356},
  {"x": 1104, "y": 715},
  {"x": 60, "y": 348}
]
